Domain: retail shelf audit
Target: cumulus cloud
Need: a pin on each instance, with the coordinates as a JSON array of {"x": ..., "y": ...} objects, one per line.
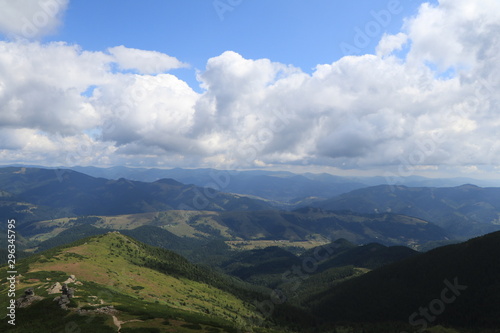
[
  {"x": 31, "y": 18},
  {"x": 436, "y": 106},
  {"x": 145, "y": 62},
  {"x": 41, "y": 86},
  {"x": 391, "y": 43},
  {"x": 148, "y": 110},
  {"x": 453, "y": 33}
]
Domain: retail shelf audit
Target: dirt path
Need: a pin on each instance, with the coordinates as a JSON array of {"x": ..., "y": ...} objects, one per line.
[{"x": 119, "y": 323}]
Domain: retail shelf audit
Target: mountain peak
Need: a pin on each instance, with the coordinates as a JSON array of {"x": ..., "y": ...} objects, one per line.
[
  {"x": 468, "y": 187},
  {"x": 169, "y": 181}
]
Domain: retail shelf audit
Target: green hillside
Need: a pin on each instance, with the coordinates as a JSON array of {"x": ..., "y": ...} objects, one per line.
[
  {"x": 70, "y": 193},
  {"x": 260, "y": 266},
  {"x": 464, "y": 211},
  {"x": 458, "y": 284},
  {"x": 184, "y": 230},
  {"x": 389, "y": 229},
  {"x": 331, "y": 264},
  {"x": 124, "y": 284},
  {"x": 149, "y": 287},
  {"x": 369, "y": 256}
]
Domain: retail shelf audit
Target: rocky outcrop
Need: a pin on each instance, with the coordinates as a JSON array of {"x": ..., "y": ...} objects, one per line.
[
  {"x": 107, "y": 310},
  {"x": 64, "y": 299},
  {"x": 70, "y": 292},
  {"x": 56, "y": 288},
  {"x": 27, "y": 299},
  {"x": 71, "y": 279}
]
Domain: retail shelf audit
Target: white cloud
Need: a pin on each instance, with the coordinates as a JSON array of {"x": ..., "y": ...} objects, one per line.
[
  {"x": 41, "y": 86},
  {"x": 30, "y": 18},
  {"x": 145, "y": 62},
  {"x": 148, "y": 110},
  {"x": 453, "y": 33},
  {"x": 391, "y": 43},
  {"x": 361, "y": 112}
]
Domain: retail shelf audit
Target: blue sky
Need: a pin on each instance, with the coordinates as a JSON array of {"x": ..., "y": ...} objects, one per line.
[
  {"x": 297, "y": 32},
  {"x": 381, "y": 87}
]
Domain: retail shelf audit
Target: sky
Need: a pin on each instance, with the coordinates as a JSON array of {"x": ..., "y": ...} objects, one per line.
[{"x": 367, "y": 87}]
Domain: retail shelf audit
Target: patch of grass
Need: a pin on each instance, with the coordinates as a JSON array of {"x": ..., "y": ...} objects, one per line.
[{"x": 54, "y": 276}]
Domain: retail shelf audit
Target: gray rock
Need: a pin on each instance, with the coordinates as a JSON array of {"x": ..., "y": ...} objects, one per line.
[
  {"x": 71, "y": 292},
  {"x": 55, "y": 289},
  {"x": 27, "y": 299},
  {"x": 62, "y": 301},
  {"x": 64, "y": 289},
  {"x": 71, "y": 279}
]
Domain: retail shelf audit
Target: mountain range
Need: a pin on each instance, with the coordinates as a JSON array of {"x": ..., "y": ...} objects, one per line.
[
  {"x": 44, "y": 200},
  {"x": 163, "y": 256},
  {"x": 35, "y": 194},
  {"x": 463, "y": 211},
  {"x": 279, "y": 186},
  {"x": 67, "y": 193}
]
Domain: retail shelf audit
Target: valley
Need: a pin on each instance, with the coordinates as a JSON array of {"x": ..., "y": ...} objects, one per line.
[{"x": 146, "y": 258}]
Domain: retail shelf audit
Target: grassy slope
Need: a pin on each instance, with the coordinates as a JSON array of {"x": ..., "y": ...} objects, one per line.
[
  {"x": 111, "y": 265},
  {"x": 182, "y": 223}
]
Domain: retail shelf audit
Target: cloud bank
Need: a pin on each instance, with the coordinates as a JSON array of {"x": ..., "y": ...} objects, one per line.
[
  {"x": 31, "y": 18},
  {"x": 433, "y": 107}
]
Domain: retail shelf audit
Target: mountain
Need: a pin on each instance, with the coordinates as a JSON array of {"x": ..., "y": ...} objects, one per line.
[
  {"x": 119, "y": 280},
  {"x": 70, "y": 193},
  {"x": 11, "y": 207},
  {"x": 283, "y": 189},
  {"x": 389, "y": 229},
  {"x": 371, "y": 256},
  {"x": 456, "y": 285},
  {"x": 310, "y": 225},
  {"x": 327, "y": 265},
  {"x": 249, "y": 265},
  {"x": 281, "y": 186},
  {"x": 464, "y": 211},
  {"x": 260, "y": 266}
]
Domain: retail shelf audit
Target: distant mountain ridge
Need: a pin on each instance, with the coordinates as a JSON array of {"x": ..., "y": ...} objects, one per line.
[
  {"x": 463, "y": 211},
  {"x": 69, "y": 192},
  {"x": 282, "y": 186},
  {"x": 279, "y": 186}
]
